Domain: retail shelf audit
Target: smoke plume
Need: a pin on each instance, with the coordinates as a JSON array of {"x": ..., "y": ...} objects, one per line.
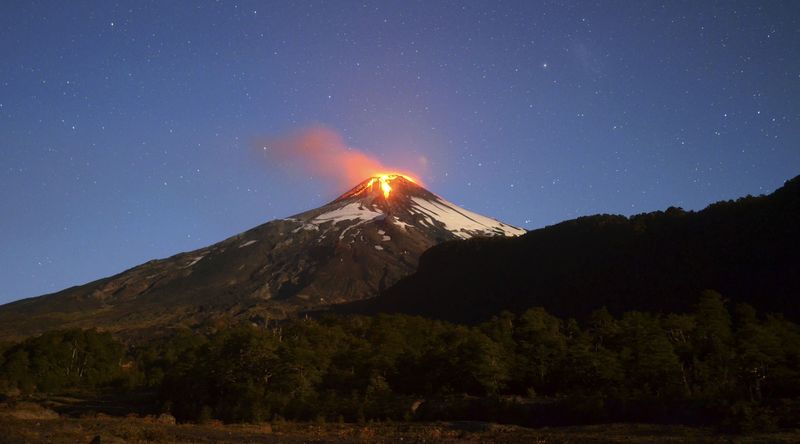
[{"x": 322, "y": 153}]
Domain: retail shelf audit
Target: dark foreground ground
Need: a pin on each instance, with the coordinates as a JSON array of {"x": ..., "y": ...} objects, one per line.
[{"x": 33, "y": 423}]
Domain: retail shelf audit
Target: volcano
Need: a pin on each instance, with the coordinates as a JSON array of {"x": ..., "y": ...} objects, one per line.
[{"x": 347, "y": 250}]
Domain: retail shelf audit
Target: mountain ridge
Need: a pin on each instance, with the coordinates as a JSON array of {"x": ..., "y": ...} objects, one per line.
[{"x": 348, "y": 249}]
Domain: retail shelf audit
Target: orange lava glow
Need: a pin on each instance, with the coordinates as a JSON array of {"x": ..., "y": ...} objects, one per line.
[{"x": 385, "y": 182}]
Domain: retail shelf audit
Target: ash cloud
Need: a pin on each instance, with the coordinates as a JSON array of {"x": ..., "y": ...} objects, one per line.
[{"x": 319, "y": 152}]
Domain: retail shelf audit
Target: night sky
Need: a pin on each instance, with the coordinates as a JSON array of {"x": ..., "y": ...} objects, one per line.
[{"x": 129, "y": 131}]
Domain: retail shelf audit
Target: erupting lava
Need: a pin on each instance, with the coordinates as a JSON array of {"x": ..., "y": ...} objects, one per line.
[
  {"x": 381, "y": 183},
  {"x": 384, "y": 180}
]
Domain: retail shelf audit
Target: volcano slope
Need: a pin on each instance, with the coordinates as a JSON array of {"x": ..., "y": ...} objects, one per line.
[
  {"x": 745, "y": 249},
  {"x": 347, "y": 250}
]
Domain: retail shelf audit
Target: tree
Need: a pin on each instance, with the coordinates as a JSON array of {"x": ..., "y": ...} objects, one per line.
[
  {"x": 712, "y": 343},
  {"x": 652, "y": 367},
  {"x": 63, "y": 359},
  {"x": 540, "y": 347}
]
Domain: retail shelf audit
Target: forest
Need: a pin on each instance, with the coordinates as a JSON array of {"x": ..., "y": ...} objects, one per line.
[
  {"x": 716, "y": 365},
  {"x": 657, "y": 262}
]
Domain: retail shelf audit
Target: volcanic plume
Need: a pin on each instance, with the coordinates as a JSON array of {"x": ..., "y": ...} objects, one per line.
[{"x": 321, "y": 152}]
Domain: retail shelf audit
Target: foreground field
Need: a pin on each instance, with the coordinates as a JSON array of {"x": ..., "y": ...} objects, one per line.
[{"x": 31, "y": 423}]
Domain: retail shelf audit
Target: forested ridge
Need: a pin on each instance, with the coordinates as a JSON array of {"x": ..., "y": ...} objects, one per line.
[
  {"x": 745, "y": 248},
  {"x": 718, "y": 365}
]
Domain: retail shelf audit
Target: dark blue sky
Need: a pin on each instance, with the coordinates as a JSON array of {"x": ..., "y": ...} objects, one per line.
[{"x": 127, "y": 129}]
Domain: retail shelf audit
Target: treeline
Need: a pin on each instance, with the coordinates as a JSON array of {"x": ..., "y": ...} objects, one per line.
[
  {"x": 61, "y": 360},
  {"x": 709, "y": 366}
]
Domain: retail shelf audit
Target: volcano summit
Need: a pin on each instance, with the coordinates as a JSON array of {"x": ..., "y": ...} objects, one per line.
[{"x": 347, "y": 250}]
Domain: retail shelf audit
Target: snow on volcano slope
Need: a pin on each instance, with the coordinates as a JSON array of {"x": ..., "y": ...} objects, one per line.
[
  {"x": 461, "y": 222},
  {"x": 350, "y": 211}
]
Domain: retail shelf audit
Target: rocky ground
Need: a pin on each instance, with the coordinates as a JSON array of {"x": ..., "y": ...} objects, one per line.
[{"x": 32, "y": 423}]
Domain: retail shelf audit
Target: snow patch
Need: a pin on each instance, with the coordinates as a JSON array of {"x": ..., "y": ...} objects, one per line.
[
  {"x": 402, "y": 224},
  {"x": 351, "y": 211},
  {"x": 461, "y": 222},
  {"x": 306, "y": 227},
  {"x": 248, "y": 243},
  {"x": 378, "y": 247},
  {"x": 194, "y": 261}
]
